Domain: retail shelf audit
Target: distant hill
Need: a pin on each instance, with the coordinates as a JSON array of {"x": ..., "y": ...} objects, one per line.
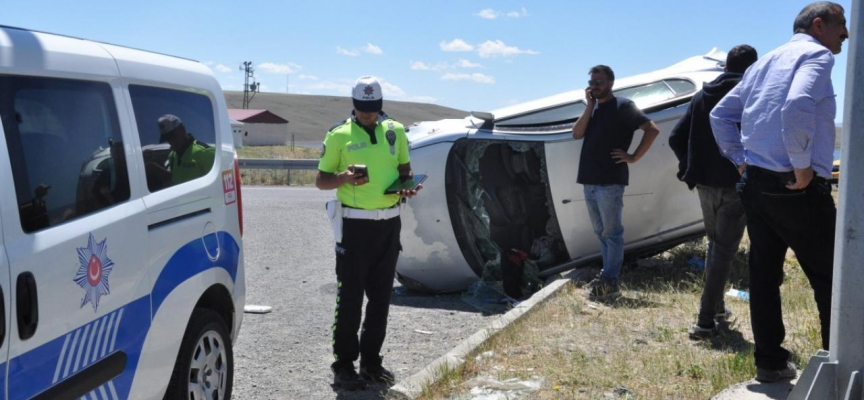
[{"x": 311, "y": 116}]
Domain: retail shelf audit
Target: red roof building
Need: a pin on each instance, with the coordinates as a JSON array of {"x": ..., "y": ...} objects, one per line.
[
  {"x": 255, "y": 116},
  {"x": 260, "y": 127}
]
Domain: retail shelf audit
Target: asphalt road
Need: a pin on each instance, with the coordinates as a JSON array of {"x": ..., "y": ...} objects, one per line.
[{"x": 290, "y": 265}]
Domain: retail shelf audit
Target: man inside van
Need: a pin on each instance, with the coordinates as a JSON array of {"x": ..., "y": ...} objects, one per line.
[{"x": 188, "y": 159}]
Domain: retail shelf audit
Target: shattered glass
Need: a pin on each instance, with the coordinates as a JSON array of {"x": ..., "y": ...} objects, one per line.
[{"x": 472, "y": 221}]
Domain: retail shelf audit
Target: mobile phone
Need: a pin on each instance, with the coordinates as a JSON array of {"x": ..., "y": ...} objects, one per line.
[
  {"x": 359, "y": 169},
  {"x": 591, "y": 95}
]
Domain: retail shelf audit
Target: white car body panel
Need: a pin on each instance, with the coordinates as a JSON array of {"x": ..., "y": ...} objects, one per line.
[{"x": 658, "y": 209}]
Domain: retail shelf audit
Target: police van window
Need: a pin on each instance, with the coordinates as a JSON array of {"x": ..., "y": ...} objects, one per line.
[
  {"x": 177, "y": 132},
  {"x": 65, "y": 148}
]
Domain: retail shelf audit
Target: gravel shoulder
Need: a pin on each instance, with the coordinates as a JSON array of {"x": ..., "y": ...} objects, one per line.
[{"x": 290, "y": 265}]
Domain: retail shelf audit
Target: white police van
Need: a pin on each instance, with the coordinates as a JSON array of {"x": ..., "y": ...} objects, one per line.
[{"x": 114, "y": 283}]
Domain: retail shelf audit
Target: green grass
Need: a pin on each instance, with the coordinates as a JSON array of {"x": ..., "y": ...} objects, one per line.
[
  {"x": 277, "y": 176},
  {"x": 584, "y": 350}
]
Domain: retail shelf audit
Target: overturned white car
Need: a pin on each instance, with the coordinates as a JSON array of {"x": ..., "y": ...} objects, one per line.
[{"x": 508, "y": 178}]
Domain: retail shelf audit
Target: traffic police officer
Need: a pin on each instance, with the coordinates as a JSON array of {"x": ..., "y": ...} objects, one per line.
[{"x": 366, "y": 227}]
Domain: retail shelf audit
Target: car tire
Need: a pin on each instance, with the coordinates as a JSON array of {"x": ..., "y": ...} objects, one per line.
[{"x": 205, "y": 363}]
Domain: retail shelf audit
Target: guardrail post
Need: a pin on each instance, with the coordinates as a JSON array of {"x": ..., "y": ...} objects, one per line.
[{"x": 288, "y": 178}]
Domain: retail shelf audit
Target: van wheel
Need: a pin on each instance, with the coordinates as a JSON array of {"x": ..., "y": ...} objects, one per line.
[{"x": 205, "y": 364}]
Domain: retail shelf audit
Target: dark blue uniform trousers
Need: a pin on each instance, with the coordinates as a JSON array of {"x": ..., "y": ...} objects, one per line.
[
  {"x": 779, "y": 219},
  {"x": 365, "y": 263}
]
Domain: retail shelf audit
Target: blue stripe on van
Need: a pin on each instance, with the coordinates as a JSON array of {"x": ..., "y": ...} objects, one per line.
[
  {"x": 123, "y": 329},
  {"x": 193, "y": 259}
]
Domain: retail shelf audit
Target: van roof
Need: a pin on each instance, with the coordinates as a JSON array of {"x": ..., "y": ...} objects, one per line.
[
  {"x": 93, "y": 41},
  {"x": 32, "y": 52}
]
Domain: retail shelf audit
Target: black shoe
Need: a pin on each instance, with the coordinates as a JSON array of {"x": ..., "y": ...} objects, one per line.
[
  {"x": 600, "y": 290},
  {"x": 771, "y": 375},
  {"x": 377, "y": 373},
  {"x": 698, "y": 332},
  {"x": 347, "y": 378}
]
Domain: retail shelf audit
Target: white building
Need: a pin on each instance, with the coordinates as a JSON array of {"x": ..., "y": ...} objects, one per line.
[{"x": 260, "y": 127}]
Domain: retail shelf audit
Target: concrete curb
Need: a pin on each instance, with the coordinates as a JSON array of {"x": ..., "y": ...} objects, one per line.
[{"x": 412, "y": 387}]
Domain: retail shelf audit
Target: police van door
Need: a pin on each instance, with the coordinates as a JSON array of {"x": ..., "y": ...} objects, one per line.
[
  {"x": 73, "y": 231},
  {"x": 4, "y": 309}
]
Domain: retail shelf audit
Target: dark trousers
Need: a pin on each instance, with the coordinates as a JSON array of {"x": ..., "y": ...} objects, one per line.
[
  {"x": 365, "y": 263},
  {"x": 724, "y": 225},
  {"x": 778, "y": 219}
]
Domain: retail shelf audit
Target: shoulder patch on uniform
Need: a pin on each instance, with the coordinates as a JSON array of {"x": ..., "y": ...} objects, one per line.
[{"x": 337, "y": 125}]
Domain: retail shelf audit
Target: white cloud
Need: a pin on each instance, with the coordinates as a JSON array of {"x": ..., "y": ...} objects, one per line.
[
  {"x": 476, "y": 77},
  {"x": 488, "y": 14},
  {"x": 518, "y": 14},
  {"x": 283, "y": 69},
  {"x": 463, "y": 63},
  {"x": 422, "y": 66},
  {"x": 456, "y": 45},
  {"x": 372, "y": 49},
  {"x": 223, "y": 68},
  {"x": 345, "y": 52},
  {"x": 308, "y": 77},
  {"x": 391, "y": 90},
  {"x": 489, "y": 49}
]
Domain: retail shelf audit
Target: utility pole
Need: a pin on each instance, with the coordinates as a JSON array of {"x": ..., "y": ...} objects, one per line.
[{"x": 249, "y": 89}]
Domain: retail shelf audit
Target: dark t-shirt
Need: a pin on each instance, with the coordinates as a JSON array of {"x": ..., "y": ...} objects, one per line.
[{"x": 611, "y": 127}]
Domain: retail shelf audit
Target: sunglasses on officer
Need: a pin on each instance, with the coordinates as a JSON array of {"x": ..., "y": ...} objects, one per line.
[{"x": 596, "y": 82}]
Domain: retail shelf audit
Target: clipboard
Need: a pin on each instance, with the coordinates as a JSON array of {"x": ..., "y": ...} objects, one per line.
[{"x": 408, "y": 184}]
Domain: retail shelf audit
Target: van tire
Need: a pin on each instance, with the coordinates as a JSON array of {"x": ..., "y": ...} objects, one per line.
[{"x": 206, "y": 356}]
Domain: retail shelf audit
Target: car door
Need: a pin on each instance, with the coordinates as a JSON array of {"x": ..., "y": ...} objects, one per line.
[
  {"x": 655, "y": 202},
  {"x": 72, "y": 228}
]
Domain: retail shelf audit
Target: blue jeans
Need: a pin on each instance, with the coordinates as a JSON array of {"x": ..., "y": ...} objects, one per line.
[{"x": 605, "y": 203}]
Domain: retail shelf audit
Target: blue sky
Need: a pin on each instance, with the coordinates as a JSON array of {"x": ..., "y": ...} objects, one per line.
[{"x": 470, "y": 55}]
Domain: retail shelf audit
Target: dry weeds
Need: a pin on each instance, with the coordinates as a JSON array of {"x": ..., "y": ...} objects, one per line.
[{"x": 637, "y": 344}]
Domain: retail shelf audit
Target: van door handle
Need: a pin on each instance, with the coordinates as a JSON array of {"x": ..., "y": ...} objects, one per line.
[
  {"x": 566, "y": 201},
  {"x": 27, "y": 305}
]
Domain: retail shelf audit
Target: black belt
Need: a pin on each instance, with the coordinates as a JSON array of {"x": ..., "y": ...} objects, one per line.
[{"x": 786, "y": 176}]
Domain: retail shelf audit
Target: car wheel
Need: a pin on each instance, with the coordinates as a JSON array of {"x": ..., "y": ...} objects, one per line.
[{"x": 204, "y": 369}]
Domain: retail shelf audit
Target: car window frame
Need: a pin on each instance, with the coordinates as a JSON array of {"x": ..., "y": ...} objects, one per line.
[{"x": 678, "y": 98}]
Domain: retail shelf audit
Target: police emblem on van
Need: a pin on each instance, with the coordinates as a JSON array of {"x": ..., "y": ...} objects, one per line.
[{"x": 94, "y": 266}]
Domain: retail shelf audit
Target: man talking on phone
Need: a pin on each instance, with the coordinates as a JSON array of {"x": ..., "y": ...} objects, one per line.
[
  {"x": 607, "y": 127},
  {"x": 360, "y": 158}
]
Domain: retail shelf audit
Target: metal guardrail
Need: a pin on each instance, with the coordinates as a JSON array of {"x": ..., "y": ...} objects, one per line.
[{"x": 265, "y": 163}]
